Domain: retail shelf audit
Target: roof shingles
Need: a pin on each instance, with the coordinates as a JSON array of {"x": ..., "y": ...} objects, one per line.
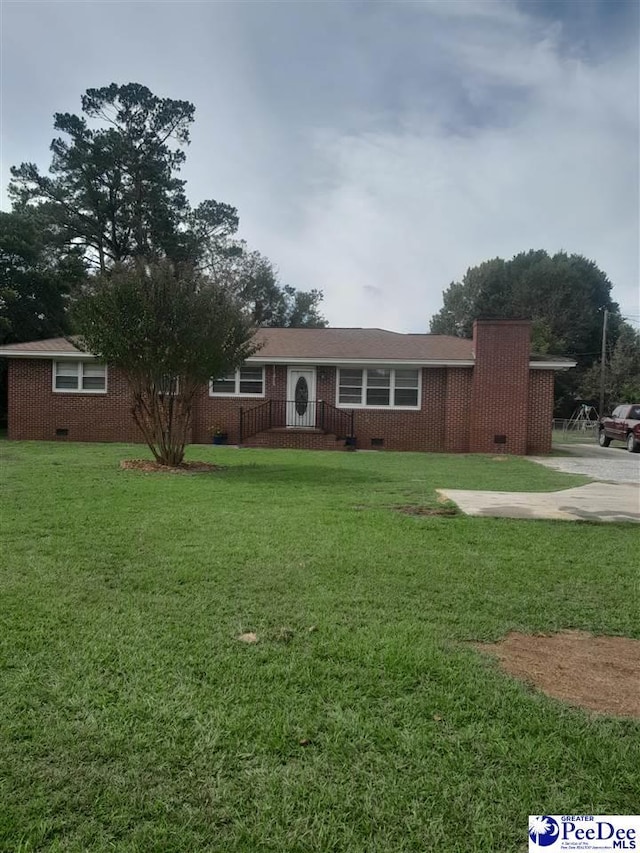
[
  {"x": 326, "y": 345},
  {"x": 50, "y": 345},
  {"x": 365, "y": 344}
]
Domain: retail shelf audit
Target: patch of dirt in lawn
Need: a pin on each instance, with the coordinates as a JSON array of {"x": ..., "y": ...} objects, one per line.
[
  {"x": 427, "y": 510},
  {"x": 248, "y": 637},
  {"x": 598, "y": 673},
  {"x": 151, "y": 467}
]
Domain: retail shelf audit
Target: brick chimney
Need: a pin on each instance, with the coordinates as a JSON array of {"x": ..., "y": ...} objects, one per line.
[{"x": 500, "y": 391}]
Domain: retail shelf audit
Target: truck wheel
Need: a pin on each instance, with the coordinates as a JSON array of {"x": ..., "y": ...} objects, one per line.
[
  {"x": 632, "y": 444},
  {"x": 603, "y": 441}
]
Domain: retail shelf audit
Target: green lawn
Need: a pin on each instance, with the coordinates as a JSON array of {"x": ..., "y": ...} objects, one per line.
[{"x": 133, "y": 720}]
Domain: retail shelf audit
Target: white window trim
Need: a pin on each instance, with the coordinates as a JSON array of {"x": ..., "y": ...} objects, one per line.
[
  {"x": 80, "y": 389},
  {"x": 237, "y": 393},
  {"x": 392, "y": 389}
]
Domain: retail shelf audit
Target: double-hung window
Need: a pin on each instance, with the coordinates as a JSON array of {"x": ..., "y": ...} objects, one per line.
[
  {"x": 248, "y": 381},
  {"x": 85, "y": 377},
  {"x": 379, "y": 387}
]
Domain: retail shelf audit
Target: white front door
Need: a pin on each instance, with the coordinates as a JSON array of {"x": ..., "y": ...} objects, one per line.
[{"x": 301, "y": 397}]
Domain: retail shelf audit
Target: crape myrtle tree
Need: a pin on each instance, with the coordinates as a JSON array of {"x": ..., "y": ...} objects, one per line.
[
  {"x": 563, "y": 295},
  {"x": 168, "y": 328}
]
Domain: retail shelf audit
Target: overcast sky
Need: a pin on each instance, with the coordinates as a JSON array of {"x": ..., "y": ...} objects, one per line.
[{"x": 374, "y": 150}]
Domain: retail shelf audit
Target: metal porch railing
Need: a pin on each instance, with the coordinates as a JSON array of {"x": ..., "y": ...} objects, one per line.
[{"x": 312, "y": 414}]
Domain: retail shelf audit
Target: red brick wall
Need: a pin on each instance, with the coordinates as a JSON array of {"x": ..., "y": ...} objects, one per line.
[
  {"x": 540, "y": 411},
  {"x": 401, "y": 430},
  {"x": 500, "y": 396},
  {"x": 408, "y": 430},
  {"x": 224, "y": 412},
  {"x": 296, "y": 440},
  {"x": 462, "y": 408},
  {"x": 458, "y": 408},
  {"x": 36, "y": 411}
]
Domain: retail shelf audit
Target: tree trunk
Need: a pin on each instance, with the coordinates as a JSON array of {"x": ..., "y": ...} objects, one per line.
[{"x": 163, "y": 420}]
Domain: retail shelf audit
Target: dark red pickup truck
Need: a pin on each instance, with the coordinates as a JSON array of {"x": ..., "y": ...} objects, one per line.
[{"x": 622, "y": 425}]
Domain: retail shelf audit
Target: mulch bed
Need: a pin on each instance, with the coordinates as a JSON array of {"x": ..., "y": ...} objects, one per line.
[
  {"x": 598, "y": 673},
  {"x": 149, "y": 466}
]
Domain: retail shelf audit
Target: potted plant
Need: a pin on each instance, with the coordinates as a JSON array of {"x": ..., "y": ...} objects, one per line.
[{"x": 219, "y": 435}]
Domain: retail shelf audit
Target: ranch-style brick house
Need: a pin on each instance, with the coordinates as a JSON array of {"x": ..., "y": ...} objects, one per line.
[{"x": 317, "y": 389}]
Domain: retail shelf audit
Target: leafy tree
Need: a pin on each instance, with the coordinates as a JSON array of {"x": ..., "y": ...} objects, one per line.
[
  {"x": 255, "y": 281},
  {"x": 113, "y": 187},
  {"x": 36, "y": 285},
  {"x": 169, "y": 329},
  {"x": 622, "y": 372},
  {"x": 113, "y": 194},
  {"x": 462, "y": 299},
  {"x": 35, "y": 281},
  {"x": 299, "y": 309},
  {"x": 563, "y": 295}
]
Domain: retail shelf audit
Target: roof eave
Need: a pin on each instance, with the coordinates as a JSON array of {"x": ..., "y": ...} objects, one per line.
[
  {"x": 337, "y": 360},
  {"x": 280, "y": 359},
  {"x": 552, "y": 365},
  {"x": 57, "y": 354}
]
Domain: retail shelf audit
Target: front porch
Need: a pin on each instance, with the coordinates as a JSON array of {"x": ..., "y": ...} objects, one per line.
[
  {"x": 299, "y": 423},
  {"x": 285, "y": 438}
]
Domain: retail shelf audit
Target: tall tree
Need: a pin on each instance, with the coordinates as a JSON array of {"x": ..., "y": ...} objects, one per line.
[
  {"x": 255, "y": 281},
  {"x": 299, "y": 309},
  {"x": 36, "y": 281},
  {"x": 113, "y": 194},
  {"x": 113, "y": 187},
  {"x": 36, "y": 284},
  {"x": 168, "y": 329},
  {"x": 563, "y": 295}
]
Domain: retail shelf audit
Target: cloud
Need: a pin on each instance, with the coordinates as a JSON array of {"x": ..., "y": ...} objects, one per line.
[
  {"x": 374, "y": 150},
  {"x": 540, "y": 153}
]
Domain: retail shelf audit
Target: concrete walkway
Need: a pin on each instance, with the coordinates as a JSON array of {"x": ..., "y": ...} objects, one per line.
[{"x": 593, "y": 502}]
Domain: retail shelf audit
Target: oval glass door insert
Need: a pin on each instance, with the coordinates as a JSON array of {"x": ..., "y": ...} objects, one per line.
[{"x": 301, "y": 396}]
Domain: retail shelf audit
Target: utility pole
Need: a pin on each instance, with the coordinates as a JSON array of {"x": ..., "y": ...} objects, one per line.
[{"x": 603, "y": 359}]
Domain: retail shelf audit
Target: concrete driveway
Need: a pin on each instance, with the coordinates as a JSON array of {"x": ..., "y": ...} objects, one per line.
[
  {"x": 612, "y": 464},
  {"x": 616, "y": 497},
  {"x": 593, "y": 502}
]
